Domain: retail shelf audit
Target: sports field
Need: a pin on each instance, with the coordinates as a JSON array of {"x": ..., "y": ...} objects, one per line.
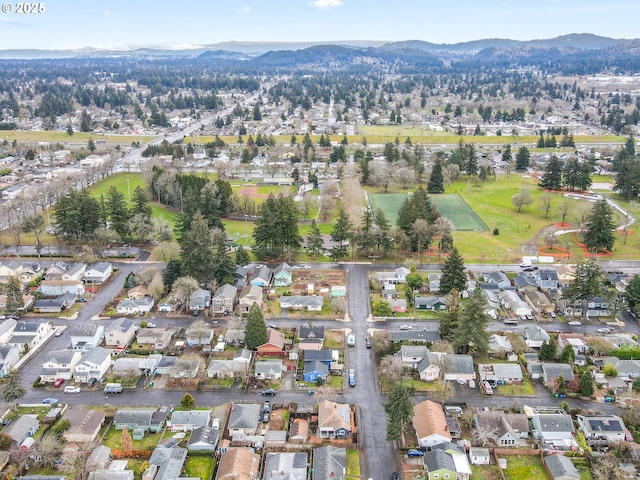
[{"x": 451, "y": 206}]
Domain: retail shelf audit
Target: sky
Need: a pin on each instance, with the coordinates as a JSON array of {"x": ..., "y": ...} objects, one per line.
[{"x": 73, "y": 24}]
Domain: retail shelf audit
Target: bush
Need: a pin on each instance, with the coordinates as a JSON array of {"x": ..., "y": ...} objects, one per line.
[{"x": 496, "y": 231}]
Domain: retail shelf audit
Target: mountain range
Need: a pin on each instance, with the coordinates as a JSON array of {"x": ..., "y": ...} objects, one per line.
[{"x": 247, "y": 50}]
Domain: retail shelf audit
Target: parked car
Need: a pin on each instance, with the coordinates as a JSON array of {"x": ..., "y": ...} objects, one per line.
[
  {"x": 215, "y": 423},
  {"x": 151, "y": 325},
  {"x": 604, "y": 330},
  {"x": 487, "y": 388},
  {"x": 59, "y": 331},
  {"x": 351, "y": 340},
  {"x": 92, "y": 382},
  {"x": 414, "y": 452},
  {"x": 352, "y": 378},
  {"x": 58, "y": 382},
  {"x": 453, "y": 410},
  {"x": 574, "y": 323},
  {"x": 395, "y": 476},
  {"x": 72, "y": 389},
  {"x": 269, "y": 392},
  {"x": 406, "y": 327},
  {"x": 50, "y": 401},
  {"x": 267, "y": 406},
  {"x": 367, "y": 342}
]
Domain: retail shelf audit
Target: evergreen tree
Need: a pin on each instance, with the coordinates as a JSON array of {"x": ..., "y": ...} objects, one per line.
[
  {"x": 196, "y": 256},
  {"x": 399, "y": 410},
  {"x": 598, "y": 234},
  {"x": 276, "y": 231},
  {"x": 140, "y": 201},
  {"x": 522, "y": 158},
  {"x": 586, "y": 384},
  {"x": 223, "y": 266},
  {"x": 172, "y": 272},
  {"x": 436, "y": 180},
  {"x": 256, "y": 330},
  {"x": 507, "y": 155},
  {"x": 13, "y": 292},
  {"x": 587, "y": 282},
  {"x": 315, "y": 241},
  {"x": 453, "y": 276},
  {"x": 340, "y": 235},
  {"x": 414, "y": 207},
  {"x": 187, "y": 402},
  {"x": 242, "y": 257},
  {"x": 632, "y": 294},
  {"x": 77, "y": 215},
  {"x": 117, "y": 211},
  {"x": 449, "y": 322},
  {"x": 567, "y": 355},
  {"x": 548, "y": 351},
  {"x": 552, "y": 177},
  {"x": 472, "y": 327},
  {"x": 381, "y": 228},
  {"x": 13, "y": 388}
]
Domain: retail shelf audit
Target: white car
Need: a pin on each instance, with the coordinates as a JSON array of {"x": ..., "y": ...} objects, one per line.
[
  {"x": 72, "y": 389},
  {"x": 59, "y": 332},
  {"x": 604, "y": 330},
  {"x": 151, "y": 325},
  {"x": 574, "y": 323},
  {"x": 406, "y": 327}
]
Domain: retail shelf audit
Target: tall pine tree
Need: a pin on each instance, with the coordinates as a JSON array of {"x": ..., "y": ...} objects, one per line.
[
  {"x": 340, "y": 235},
  {"x": 472, "y": 327},
  {"x": 453, "y": 276},
  {"x": 399, "y": 410},
  {"x": 436, "y": 179},
  {"x": 598, "y": 234},
  {"x": 552, "y": 177},
  {"x": 196, "y": 255},
  {"x": 256, "y": 330}
]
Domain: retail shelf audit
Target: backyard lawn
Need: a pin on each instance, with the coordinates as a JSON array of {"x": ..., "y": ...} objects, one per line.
[
  {"x": 199, "y": 466},
  {"x": 113, "y": 440},
  {"x": 353, "y": 464},
  {"x": 525, "y": 467}
]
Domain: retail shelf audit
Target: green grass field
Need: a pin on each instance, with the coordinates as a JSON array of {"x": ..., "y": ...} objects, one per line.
[
  {"x": 76, "y": 138},
  {"x": 451, "y": 207},
  {"x": 525, "y": 467}
]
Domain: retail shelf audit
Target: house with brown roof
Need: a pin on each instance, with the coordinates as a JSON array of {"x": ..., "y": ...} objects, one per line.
[
  {"x": 505, "y": 430},
  {"x": 334, "y": 419},
  {"x": 430, "y": 424},
  {"x": 238, "y": 463},
  {"x": 138, "y": 292},
  {"x": 299, "y": 430},
  {"x": 274, "y": 343},
  {"x": 85, "y": 424},
  {"x": 159, "y": 338},
  {"x": 249, "y": 295}
]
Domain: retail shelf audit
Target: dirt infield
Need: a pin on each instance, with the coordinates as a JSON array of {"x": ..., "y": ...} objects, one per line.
[{"x": 251, "y": 192}]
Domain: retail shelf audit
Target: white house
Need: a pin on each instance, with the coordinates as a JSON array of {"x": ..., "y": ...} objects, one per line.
[
  {"x": 430, "y": 424},
  {"x": 86, "y": 337},
  {"x": 53, "y": 288},
  {"x": 135, "y": 307},
  {"x": 602, "y": 429},
  {"x": 94, "y": 363},
  {"x": 98, "y": 273},
  {"x": 59, "y": 364}
]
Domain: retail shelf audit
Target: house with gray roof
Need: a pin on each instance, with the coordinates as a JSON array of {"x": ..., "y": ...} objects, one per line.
[
  {"x": 269, "y": 369},
  {"x": 439, "y": 464},
  {"x": 224, "y": 299},
  {"x": 167, "y": 462},
  {"x": 315, "y": 369},
  {"x": 412, "y": 355},
  {"x": 283, "y": 275},
  {"x": 9, "y": 356},
  {"x": 498, "y": 278},
  {"x": 203, "y": 439},
  {"x": 59, "y": 364},
  {"x": 120, "y": 332},
  {"x": 501, "y": 372},
  {"x": 6, "y": 330},
  {"x": 329, "y": 462},
  {"x": 294, "y": 463},
  {"x": 94, "y": 363},
  {"x": 419, "y": 336},
  {"x": 148, "y": 420},
  {"x": 98, "y": 273},
  {"x": 85, "y": 424},
  {"x": 85, "y": 337},
  {"x": 507, "y": 429},
  {"x": 302, "y": 302},
  {"x": 525, "y": 283},
  {"x": 547, "y": 279},
  {"x": 512, "y": 301},
  {"x": 602, "y": 429},
  {"x": 551, "y": 371},
  {"x": 561, "y": 467},
  {"x": 554, "y": 431},
  {"x": 201, "y": 299},
  {"x": 99, "y": 458},
  {"x": 135, "y": 306},
  {"x": 260, "y": 275},
  {"x": 244, "y": 418},
  {"x": 189, "y": 420},
  {"x": 499, "y": 345},
  {"x": 311, "y": 337},
  {"x": 458, "y": 367},
  {"x": 21, "y": 427},
  {"x": 535, "y": 336},
  {"x": 431, "y": 302}
]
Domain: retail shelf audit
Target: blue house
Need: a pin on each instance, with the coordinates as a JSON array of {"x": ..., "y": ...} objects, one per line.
[
  {"x": 324, "y": 356},
  {"x": 314, "y": 370}
]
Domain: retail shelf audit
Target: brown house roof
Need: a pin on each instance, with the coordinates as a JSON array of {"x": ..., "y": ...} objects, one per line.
[
  {"x": 238, "y": 463},
  {"x": 299, "y": 428},
  {"x": 429, "y": 419},
  {"x": 275, "y": 339}
]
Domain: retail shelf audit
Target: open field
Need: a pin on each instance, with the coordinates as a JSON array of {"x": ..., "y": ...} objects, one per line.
[
  {"x": 79, "y": 138},
  {"x": 380, "y": 134},
  {"x": 451, "y": 207}
]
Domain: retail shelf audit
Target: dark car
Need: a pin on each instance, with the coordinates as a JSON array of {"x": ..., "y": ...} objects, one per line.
[
  {"x": 367, "y": 342},
  {"x": 270, "y": 392},
  {"x": 414, "y": 452},
  {"x": 395, "y": 476},
  {"x": 92, "y": 382}
]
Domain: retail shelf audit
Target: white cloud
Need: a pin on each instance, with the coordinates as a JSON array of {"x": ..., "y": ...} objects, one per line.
[
  {"x": 322, "y": 4},
  {"x": 105, "y": 13},
  {"x": 245, "y": 9},
  {"x": 13, "y": 23}
]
